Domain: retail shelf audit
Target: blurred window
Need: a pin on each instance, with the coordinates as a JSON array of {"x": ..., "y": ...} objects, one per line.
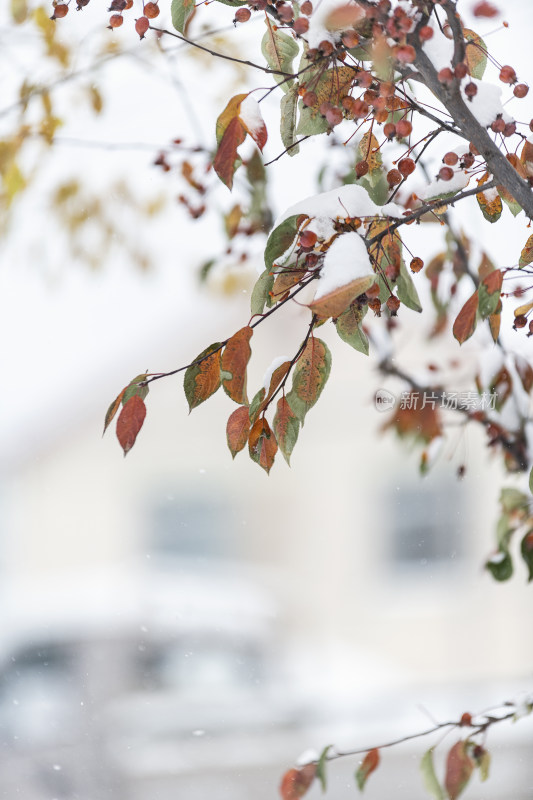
[{"x": 190, "y": 527}]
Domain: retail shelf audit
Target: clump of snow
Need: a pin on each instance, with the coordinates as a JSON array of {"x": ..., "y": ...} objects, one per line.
[
  {"x": 497, "y": 558},
  {"x": 250, "y": 114},
  {"x": 277, "y": 362},
  {"x": 345, "y": 261},
  {"x": 486, "y": 105},
  {"x": 307, "y": 757},
  {"x": 439, "y": 187},
  {"x": 350, "y": 200},
  {"x": 439, "y": 49}
]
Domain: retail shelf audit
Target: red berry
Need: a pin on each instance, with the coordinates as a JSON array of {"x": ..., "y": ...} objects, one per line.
[
  {"x": 325, "y": 47},
  {"x": 470, "y": 89},
  {"x": 507, "y": 74},
  {"x": 445, "y": 173},
  {"x": 151, "y": 10},
  {"x": 403, "y": 128},
  {"x": 141, "y": 26},
  {"x": 461, "y": 70},
  {"x": 405, "y": 54},
  {"x": 467, "y": 160},
  {"x": 445, "y": 75},
  {"x": 373, "y": 292},
  {"x": 115, "y": 21},
  {"x": 393, "y": 304},
  {"x": 242, "y": 15},
  {"x": 389, "y": 130},
  {"x": 308, "y": 239},
  {"x": 285, "y": 12},
  {"x": 485, "y": 9},
  {"x": 520, "y": 90},
  {"x": 394, "y": 176},
  {"x": 406, "y": 166},
  {"x": 498, "y": 126},
  {"x": 310, "y": 99},
  {"x": 334, "y": 116},
  {"x": 450, "y": 159},
  {"x": 360, "y": 108},
  {"x": 60, "y": 11},
  {"x": 307, "y": 7},
  {"x": 520, "y": 321},
  {"x": 510, "y": 129},
  {"x": 361, "y": 168},
  {"x": 425, "y": 33},
  {"x": 416, "y": 264},
  {"x": 349, "y": 38},
  {"x": 301, "y": 25}
]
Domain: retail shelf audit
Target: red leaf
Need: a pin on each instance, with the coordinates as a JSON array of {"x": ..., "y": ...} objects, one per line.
[
  {"x": 237, "y": 429},
  {"x": 130, "y": 422},
  {"x": 459, "y": 767},
  {"x": 227, "y": 160},
  {"x": 369, "y": 764},
  {"x": 493, "y": 281},
  {"x": 296, "y": 782},
  {"x": 465, "y": 323},
  {"x": 262, "y": 444},
  {"x": 234, "y": 362},
  {"x": 112, "y": 410}
]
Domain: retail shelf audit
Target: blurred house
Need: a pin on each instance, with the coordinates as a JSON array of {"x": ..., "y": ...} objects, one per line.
[{"x": 178, "y": 625}]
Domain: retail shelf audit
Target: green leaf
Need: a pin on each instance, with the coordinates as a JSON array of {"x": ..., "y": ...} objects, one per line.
[
  {"x": 512, "y": 499},
  {"x": 427, "y": 769},
  {"x": 286, "y": 428},
  {"x": 233, "y": 3},
  {"x": 310, "y": 122},
  {"x": 261, "y": 292},
  {"x": 255, "y": 405},
  {"x": 288, "y": 109},
  {"x": 279, "y": 51},
  {"x": 349, "y": 328},
  {"x": 133, "y": 388},
  {"x": 321, "y": 767},
  {"x": 500, "y": 566},
  {"x": 526, "y": 549},
  {"x": 377, "y": 187},
  {"x": 181, "y": 11},
  {"x": 281, "y": 239},
  {"x": 406, "y": 289},
  {"x": 489, "y": 293},
  {"x": 514, "y": 207}
]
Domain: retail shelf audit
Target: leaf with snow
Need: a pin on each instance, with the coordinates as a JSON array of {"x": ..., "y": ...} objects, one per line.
[
  {"x": 181, "y": 11},
  {"x": 281, "y": 239},
  {"x": 369, "y": 764},
  {"x": 429, "y": 777},
  {"x": 262, "y": 444},
  {"x": 526, "y": 256},
  {"x": 490, "y": 204},
  {"x": 279, "y": 51},
  {"x": 286, "y": 428},
  {"x": 465, "y": 322},
  {"x": 288, "y": 115},
  {"x": 346, "y": 274},
  {"x": 349, "y": 328},
  {"x": 309, "y": 377},
  {"x": 202, "y": 378},
  {"x": 238, "y": 429},
  {"x": 130, "y": 422},
  {"x": 500, "y": 565},
  {"x": 252, "y": 120}
]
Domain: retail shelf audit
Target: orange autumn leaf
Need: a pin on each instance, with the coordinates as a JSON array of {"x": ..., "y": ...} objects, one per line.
[
  {"x": 233, "y": 364},
  {"x": 227, "y": 159},
  {"x": 526, "y": 256},
  {"x": 262, "y": 444},
  {"x": 297, "y": 781},
  {"x": 112, "y": 410},
  {"x": 286, "y": 428},
  {"x": 130, "y": 422},
  {"x": 369, "y": 764},
  {"x": 237, "y": 429},
  {"x": 465, "y": 322},
  {"x": 334, "y": 303},
  {"x": 310, "y": 375}
]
